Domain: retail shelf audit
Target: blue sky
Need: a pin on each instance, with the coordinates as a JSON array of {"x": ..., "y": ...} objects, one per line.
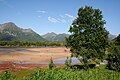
[{"x": 56, "y": 15}]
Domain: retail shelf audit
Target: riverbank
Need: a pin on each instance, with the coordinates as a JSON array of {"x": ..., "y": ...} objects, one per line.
[
  {"x": 33, "y": 54},
  {"x": 21, "y": 55}
]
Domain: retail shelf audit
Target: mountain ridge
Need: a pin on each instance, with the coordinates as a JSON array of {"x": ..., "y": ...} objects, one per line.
[
  {"x": 10, "y": 31},
  {"x": 55, "y": 37}
]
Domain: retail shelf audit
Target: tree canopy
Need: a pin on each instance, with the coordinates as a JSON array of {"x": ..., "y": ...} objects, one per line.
[{"x": 88, "y": 38}]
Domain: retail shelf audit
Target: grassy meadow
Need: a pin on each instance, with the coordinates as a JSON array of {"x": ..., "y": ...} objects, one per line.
[{"x": 61, "y": 73}]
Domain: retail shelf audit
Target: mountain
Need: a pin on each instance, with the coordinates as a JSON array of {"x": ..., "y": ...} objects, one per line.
[
  {"x": 10, "y": 31},
  {"x": 55, "y": 37},
  {"x": 50, "y": 36},
  {"x": 111, "y": 36},
  {"x": 117, "y": 39},
  {"x": 61, "y": 37}
]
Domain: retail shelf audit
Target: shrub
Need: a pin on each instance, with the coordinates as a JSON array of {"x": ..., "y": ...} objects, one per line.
[
  {"x": 68, "y": 62},
  {"x": 114, "y": 59},
  {"x": 51, "y": 64},
  {"x": 97, "y": 61}
]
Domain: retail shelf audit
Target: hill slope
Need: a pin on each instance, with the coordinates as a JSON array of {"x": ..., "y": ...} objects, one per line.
[
  {"x": 111, "y": 36},
  {"x": 55, "y": 37},
  {"x": 9, "y": 31}
]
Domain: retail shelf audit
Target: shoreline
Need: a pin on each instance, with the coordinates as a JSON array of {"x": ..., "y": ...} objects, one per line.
[
  {"x": 18, "y": 67},
  {"x": 30, "y": 55}
]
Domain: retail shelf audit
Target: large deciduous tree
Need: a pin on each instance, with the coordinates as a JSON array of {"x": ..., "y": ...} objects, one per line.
[{"x": 88, "y": 38}]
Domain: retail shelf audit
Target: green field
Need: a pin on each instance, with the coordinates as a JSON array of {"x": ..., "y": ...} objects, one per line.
[{"x": 60, "y": 73}]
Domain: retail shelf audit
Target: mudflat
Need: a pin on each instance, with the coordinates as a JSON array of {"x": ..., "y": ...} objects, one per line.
[{"x": 33, "y": 54}]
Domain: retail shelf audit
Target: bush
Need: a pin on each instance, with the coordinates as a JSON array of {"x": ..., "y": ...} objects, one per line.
[
  {"x": 114, "y": 59},
  {"x": 97, "y": 61},
  {"x": 51, "y": 64},
  {"x": 68, "y": 62}
]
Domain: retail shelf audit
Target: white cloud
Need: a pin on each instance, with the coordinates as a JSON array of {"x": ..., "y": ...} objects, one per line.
[
  {"x": 41, "y": 11},
  {"x": 54, "y": 20},
  {"x": 62, "y": 20},
  {"x": 51, "y": 19},
  {"x": 70, "y": 16}
]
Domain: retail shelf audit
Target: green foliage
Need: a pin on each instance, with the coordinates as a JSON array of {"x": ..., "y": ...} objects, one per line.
[
  {"x": 88, "y": 38},
  {"x": 28, "y": 44},
  {"x": 63, "y": 74},
  {"x": 51, "y": 64},
  {"x": 68, "y": 62},
  {"x": 6, "y": 76},
  {"x": 114, "y": 58},
  {"x": 99, "y": 73},
  {"x": 97, "y": 61}
]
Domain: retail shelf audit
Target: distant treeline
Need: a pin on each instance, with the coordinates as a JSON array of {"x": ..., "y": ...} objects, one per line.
[{"x": 29, "y": 44}]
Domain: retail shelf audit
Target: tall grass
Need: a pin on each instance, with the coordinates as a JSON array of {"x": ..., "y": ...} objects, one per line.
[
  {"x": 62, "y": 74},
  {"x": 71, "y": 74}
]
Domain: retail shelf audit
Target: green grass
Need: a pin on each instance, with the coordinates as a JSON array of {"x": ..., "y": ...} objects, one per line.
[
  {"x": 17, "y": 75},
  {"x": 23, "y": 73},
  {"x": 99, "y": 73}
]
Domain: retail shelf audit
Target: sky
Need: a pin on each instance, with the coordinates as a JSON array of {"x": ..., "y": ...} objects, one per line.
[{"x": 45, "y": 16}]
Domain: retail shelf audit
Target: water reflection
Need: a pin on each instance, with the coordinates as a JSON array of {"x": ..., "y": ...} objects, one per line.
[{"x": 56, "y": 61}]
